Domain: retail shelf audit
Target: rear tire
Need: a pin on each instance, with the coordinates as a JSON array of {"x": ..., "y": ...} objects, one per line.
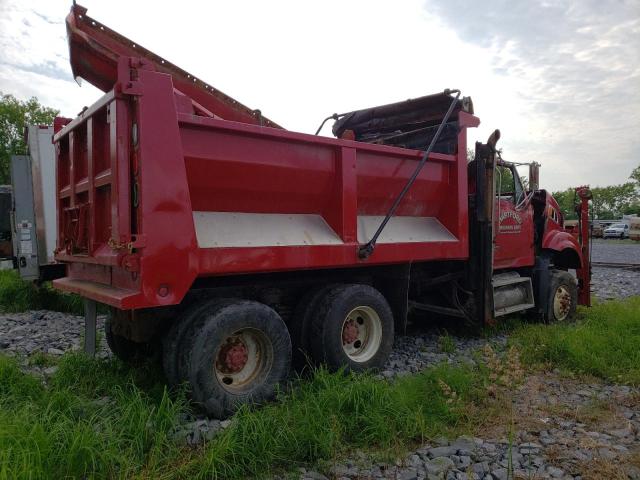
[
  {"x": 352, "y": 328},
  {"x": 172, "y": 343},
  {"x": 563, "y": 297},
  {"x": 300, "y": 328},
  {"x": 238, "y": 353},
  {"x": 126, "y": 350}
]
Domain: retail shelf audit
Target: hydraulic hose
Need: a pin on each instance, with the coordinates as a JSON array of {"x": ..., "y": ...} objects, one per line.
[{"x": 367, "y": 249}]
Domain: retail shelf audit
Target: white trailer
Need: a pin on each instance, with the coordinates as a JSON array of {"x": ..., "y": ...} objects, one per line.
[{"x": 33, "y": 177}]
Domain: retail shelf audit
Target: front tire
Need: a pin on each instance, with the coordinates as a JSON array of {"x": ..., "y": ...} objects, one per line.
[
  {"x": 563, "y": 297},
  {"x": 239, "y": 352},
  {"x": 352, "y": 328}
]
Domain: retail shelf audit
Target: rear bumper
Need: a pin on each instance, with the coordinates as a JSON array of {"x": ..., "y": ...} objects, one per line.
[{"x": 121, "y": 298}]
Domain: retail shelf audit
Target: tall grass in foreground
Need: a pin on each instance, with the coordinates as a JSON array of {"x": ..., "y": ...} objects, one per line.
[
  {"x": 96, "y": 418},
  {"x": 100, "y": 419},
  {"x": 604, "y": 341},
  {"x": 16, "y": 295},
  {"x": 334, "y": 414}
]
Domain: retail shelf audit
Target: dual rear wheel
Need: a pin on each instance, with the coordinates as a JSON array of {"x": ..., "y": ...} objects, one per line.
[{"x": 231, "y": 352}]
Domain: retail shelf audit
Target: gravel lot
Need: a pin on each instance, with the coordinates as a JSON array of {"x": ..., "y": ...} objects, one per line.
[
  {"x": 610, "y": 283},
  {"x": 551, "y": 440},
  {"x": 615, "y": 251}
]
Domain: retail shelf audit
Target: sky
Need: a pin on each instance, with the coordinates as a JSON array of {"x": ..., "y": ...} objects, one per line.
[{"x": 560, "y": 79}]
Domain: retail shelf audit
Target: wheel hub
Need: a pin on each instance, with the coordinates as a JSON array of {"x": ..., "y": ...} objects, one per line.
[
  {"x": 233, "y": 356},
  {"x": 350, "y": 332},
  {"x": 361, "y": 333},
  {"x": 243, "y": 359},
  {"x": 562, "y": 303}
]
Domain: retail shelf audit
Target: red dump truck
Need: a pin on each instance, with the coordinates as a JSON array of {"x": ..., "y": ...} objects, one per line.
[{"x": 236, "y": 247}]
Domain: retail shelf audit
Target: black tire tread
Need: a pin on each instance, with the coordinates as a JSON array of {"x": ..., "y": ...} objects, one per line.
[
  {"x": 126, "y": 350},
  {"x": 300, "y": 327},
  {"x": 171, "y": 342},
  {"x": 321, "y": 350},
  {"x": 562, "y": 277},
  {"x": 203, "y": 341}
]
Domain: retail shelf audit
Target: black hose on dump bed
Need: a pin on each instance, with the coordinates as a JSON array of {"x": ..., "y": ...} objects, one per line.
[{"x": 367, "y": 249}]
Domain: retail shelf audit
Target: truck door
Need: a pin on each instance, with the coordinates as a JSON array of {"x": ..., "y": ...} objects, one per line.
[{"x": 513, "y": 244}]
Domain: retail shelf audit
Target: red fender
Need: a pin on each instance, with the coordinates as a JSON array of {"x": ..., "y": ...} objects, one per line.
[{"x": 559, "y": 241}]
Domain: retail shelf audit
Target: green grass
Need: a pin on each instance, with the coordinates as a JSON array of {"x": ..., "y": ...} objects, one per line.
[
  {"x": 446, "y": 344},
  {"x": 41, "y": 359},
  {"x": 336, "y": 414},
  {"x": 604, "y": 342},
  {"x": 59, "y": 430},
  {"x": 16, "y": 295}
]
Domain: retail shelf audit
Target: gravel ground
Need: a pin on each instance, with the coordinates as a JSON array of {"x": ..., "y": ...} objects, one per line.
[
  {"x": 551, "y": 441},
  {"x": 562, "y": 429},
  {"x": 615, "y": 251},
  {"x": 611, "y": 283}
]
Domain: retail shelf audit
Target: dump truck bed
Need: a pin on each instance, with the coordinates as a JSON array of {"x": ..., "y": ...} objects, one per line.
[{"x": 153, "y": 195}]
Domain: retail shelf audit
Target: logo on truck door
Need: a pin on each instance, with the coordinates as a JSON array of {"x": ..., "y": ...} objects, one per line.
[{"x": 509, "y": 222}]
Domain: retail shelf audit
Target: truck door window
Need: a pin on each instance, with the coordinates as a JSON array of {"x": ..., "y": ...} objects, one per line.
[
  {"x": 509, "y": 184},
  {"x": 505, "y": 184},
  {"x": 519, "y": 189}
]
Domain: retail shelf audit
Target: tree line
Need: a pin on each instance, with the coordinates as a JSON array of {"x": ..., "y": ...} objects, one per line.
[
  {"x": 15, "y": 115},
  {"x": 610, "y": 202}
]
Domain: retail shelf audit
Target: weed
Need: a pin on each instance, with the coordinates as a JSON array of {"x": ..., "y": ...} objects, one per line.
[
  {"x": 603, "y": 342},
  {"x": 599, "y": 468},
  {"x": 17, "y": 295},
  {"x": 41, "y": 359},
  {"x": 60, "y": 430},
  {"x": 446, "y": 343},
  {"x": 505, "y": 374},
  {"x": 334, "y": 413}
]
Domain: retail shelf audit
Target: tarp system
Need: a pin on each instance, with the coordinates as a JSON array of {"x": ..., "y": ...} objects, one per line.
[{"x": 409, "y": 124}]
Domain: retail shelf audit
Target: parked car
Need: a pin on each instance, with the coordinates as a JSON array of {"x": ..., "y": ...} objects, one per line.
[
  {"x": 597, "y": 231},
  {"x": 617, "y": 230}
]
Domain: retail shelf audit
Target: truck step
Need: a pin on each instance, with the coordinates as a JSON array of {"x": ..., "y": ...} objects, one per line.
[{"x": 511, "y": 293}]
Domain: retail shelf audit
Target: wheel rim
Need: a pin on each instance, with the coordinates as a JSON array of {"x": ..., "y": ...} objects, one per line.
[
  {"x": 361, "y": 334},
  {"x": 562, "y": 303},
  {"x": 243, "y": 357}
]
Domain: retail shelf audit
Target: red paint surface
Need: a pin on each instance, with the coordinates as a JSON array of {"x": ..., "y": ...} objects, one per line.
[
  {"x": 142, "y": 195},
  {"x": 513, "y": 246}
]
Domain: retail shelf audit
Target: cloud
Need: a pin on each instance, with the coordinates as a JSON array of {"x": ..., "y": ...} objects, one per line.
[
  {"x": 34, "y": 56},
  {"x": 577, "y": 68}
]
